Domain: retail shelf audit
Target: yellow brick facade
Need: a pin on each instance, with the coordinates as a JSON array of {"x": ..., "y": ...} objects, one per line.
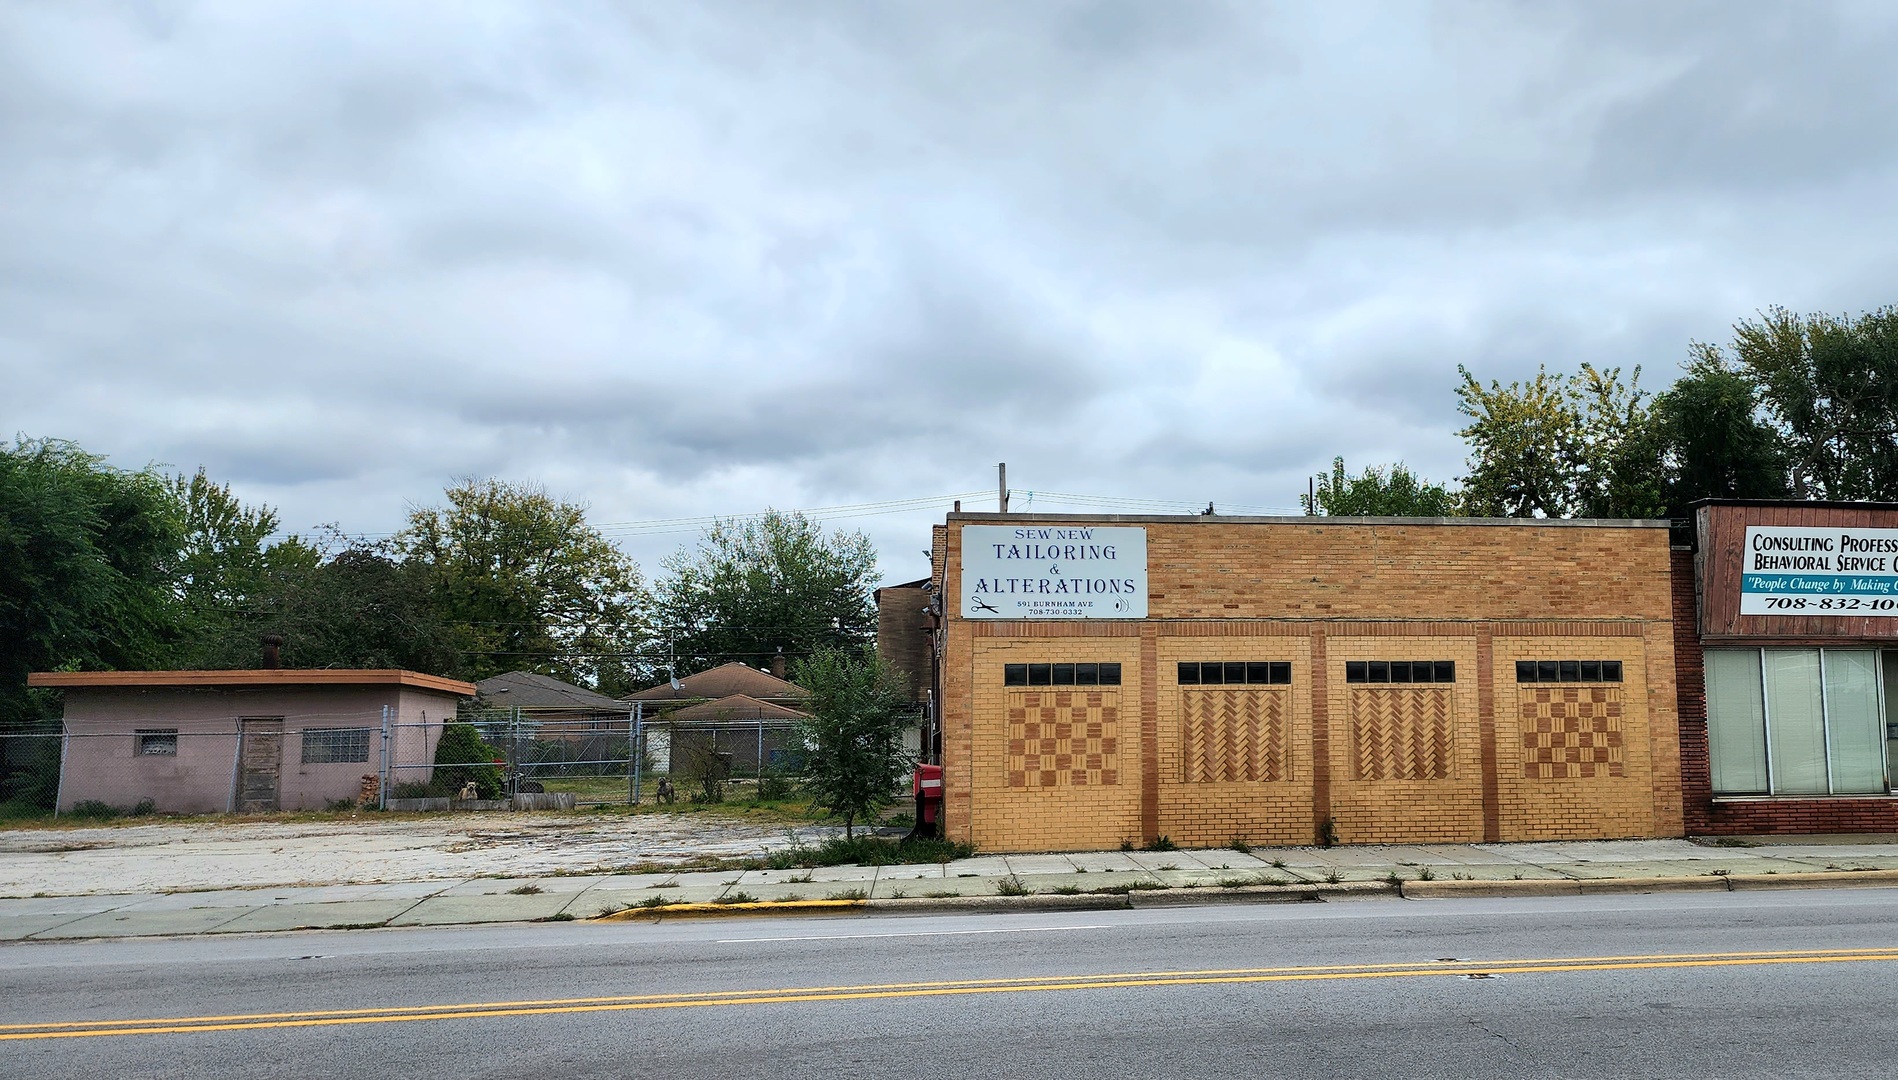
[{"x": 1481, "y": 757}]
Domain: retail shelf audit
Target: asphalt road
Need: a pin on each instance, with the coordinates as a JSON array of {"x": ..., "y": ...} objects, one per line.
[{"x": 1784, "y": 984}]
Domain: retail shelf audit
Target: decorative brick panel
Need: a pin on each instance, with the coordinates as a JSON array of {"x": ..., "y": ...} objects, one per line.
[
  {"x": 1400, "y": 734},
  {"x": 1570, "y": 732},
  {"x": 1063, "y": 738},
  {"x": 1228, "y": 735}
]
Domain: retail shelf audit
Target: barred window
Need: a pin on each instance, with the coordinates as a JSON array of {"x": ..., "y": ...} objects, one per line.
[
  {"x": 1400, "y": 671},
  {"x": 1061, "y": 675},
  {"x": 325, "y": 746},
  {"x": 157, "y": 742},
  {"x": 1538, "y": 671},
  {"x": 1236, "y": 673}
]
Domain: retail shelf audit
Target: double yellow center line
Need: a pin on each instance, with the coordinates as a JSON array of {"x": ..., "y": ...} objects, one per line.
[{"x": 80, "y": 1029}]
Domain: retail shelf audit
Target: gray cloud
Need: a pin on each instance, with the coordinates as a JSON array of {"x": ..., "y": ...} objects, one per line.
[{"x": 678, "y": 261}]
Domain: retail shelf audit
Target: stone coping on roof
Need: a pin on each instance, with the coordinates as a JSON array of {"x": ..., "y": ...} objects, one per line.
[
  {"x": 991, "y": 518},
  {"x": 261, "y": 677}
]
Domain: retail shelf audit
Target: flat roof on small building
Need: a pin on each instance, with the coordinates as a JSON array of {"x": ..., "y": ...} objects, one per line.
[{"x": 259, "y": 677}]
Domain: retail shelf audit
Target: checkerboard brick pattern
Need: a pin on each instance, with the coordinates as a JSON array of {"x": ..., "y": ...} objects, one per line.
[
  {"x": 1062, "y": 738},
  {"x": 1571, "y": 732}
]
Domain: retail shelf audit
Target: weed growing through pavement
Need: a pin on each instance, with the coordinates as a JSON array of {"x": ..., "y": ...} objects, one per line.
[
  {"x": 941, "y": 895},
  {"x": 525, "y": 890},
  {"x": 1278, "y": 864},
  {"x": 1427, "y": 874},
  {"x": 1332, "y": 877},
  {"x": 847, "y": 894},
  {"x": 1067, "y": 890},
  {"x": 1163, "y": 843},
  {"x": 1240, "y": 846},
  {"x": 736, "y": 898},
  {"x": 1011, "y": 886},
  {"x": 1394, "y": 878}
]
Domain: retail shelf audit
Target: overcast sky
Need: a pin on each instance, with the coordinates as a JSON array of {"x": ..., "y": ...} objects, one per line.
[{"x": 704, "y": 258}]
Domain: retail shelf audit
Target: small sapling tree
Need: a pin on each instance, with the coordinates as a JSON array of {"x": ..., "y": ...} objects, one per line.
[{"x": 859, "y": 708}]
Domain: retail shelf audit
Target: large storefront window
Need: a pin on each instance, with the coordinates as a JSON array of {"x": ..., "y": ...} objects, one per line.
[{"x": 1796, "y": 721}]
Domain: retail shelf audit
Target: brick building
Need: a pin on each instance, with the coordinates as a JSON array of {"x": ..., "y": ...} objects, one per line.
[
  {"x": 1786, "y": 640},
  {"x": 1109, "y": 679}
]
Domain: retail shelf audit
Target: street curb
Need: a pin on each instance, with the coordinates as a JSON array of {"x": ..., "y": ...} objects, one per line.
[
  {"x": 952, "y": 905},
  {"x": 1243, "y": 894},
  {"x": 1835, "y": 879},
  {"x": 1625, "y": 886},
  {"x": 1449, "y": 890},
  {"x": 759, "y": 907}
]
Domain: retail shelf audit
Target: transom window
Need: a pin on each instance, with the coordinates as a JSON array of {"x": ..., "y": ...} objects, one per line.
[
  {"x": 1236, "y": 673},
  {"x": 1061, "y": 675},
  {"x": 1538, "y": 671},
  {"x": 1400, "y": 671}
]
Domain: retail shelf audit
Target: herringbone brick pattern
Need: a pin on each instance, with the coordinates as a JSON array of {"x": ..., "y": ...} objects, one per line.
[
  {"x": 1229, "y": 735},
  {"x": 1400, "y": 734},
  {"x": 1571, "y": 732},
  {"x": 1061, "y": 738}
]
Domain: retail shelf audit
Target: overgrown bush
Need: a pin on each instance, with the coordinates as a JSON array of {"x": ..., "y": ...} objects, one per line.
[
  {"x": 773, "y": 785},
  {"x": 704, "y": 772},
  {"x": 93, "y": 810},
  {"x": 29, "y": 772},
  {"x": 461, "y": 757}
]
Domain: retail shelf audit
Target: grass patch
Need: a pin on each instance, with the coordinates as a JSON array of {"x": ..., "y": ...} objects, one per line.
[
  {"x": 847, "y": 894},
  {"x": 1240, "y": 846},
  {"x": 942, "y": 895},
  {"x": 1163, "y": 843},
  {"x": 736, "y": 898},
  {"x": 525, "y": 890},
  {"x": 1733, "y": 841},
  {"x": 558, "y": 916},
  {"x": 1010, "y": 886},
  {"x": 856, "y": 851},
  {"x": 1066, "y": 890}
]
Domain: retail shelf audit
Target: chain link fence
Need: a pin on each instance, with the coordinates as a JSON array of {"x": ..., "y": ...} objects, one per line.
[{"x": 482, "y": 759}]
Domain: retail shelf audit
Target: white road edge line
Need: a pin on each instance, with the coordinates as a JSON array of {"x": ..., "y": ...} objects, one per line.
[{"x": 916, "y": 933}]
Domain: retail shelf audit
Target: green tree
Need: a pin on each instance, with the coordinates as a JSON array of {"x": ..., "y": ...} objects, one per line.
[
  {"x": 525, "y": 583},
  {"x": 1525, "y": 444},
  {"x": 1379, "y": 492},
  {"x": 859, "y": 708},
  {"x": 1713, "y": 442},
  {"x": 1830, "y": 386},
  {"x": 340, "y": 603},
  {"x": 1618, "y": 452},
  {"x": 775, "y": 582},
  {"x": 88, "y": 557}
]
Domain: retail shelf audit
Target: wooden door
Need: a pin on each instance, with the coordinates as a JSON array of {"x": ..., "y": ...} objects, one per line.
[{"x": 260, "y": 762}]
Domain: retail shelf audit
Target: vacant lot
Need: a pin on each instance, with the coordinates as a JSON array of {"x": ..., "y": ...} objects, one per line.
[{"x": 237, "y": 852}]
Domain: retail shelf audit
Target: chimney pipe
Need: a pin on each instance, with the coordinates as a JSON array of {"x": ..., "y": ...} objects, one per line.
[
  {"x": 777, "y": 664},
  {"x": 272, "y": 642}
]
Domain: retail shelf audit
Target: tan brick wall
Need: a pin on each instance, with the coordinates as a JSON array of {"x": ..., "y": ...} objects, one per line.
[{"x": 1446, "y": 761}]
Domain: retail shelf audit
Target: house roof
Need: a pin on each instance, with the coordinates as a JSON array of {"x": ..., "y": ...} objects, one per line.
[
  {"x": 737, "y": 707},
  {"x": 251, "y": 678},
  {"x": 724, "y": 681},
  {"x": 529, "y": 690}
]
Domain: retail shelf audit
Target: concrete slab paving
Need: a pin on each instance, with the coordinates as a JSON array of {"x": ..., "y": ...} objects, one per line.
[
  {"x": 807, "y": 890},
  {"x": 1685, "y": 868},
  {"x": 955, "y": 886},
  {"x": 70, "y": 905},
  {"x": 603, "y": 898},
  {"x": 109, "y": 924},
  {"x": 459, "y": 910},
  {"x": 980, "y": 864},
  {"x": 831, "y": 874},
  {"x": 337, "y": 914},
  {"x": 15, "y": 927},
  {"x": 1039, "y": 864},
  {"x": 1104, "y": 860},
  {"x": 912, "y": 872},
  {"x": 551, "y": 886}
]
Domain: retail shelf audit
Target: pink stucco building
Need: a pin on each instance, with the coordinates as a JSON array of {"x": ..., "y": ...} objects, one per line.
[{"x": 244, "y": 741}]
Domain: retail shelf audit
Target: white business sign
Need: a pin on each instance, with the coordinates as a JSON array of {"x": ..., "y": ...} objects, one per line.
[
  {"x": 1054, "y": 572},
  {"x": 1797, "y": 570}
]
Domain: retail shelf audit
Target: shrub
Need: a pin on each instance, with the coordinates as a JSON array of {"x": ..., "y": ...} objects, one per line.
[
  {"x": 773, "y": 785},
  {"x": 461, "y": 757},
  {"x": 93, "y": 810},
  {"x": 706, "y": 771},
  {"x": 143, "y": 808}
]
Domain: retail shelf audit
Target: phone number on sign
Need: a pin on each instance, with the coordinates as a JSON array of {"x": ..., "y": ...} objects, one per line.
[{"x": 1829, "y": 603}]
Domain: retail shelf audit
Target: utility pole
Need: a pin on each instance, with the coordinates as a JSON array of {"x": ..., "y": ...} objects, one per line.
[{"x": 1001, "y": 485}]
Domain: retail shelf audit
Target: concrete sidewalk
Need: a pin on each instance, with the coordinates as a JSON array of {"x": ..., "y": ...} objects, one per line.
[{"x": 986, "y": 882}]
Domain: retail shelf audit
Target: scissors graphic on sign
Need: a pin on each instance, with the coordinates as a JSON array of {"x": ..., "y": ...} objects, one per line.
[{"x": 980, "y": 604}]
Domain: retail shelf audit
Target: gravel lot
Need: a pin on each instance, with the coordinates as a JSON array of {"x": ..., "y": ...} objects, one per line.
[{"x": 239, "y": 853}]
